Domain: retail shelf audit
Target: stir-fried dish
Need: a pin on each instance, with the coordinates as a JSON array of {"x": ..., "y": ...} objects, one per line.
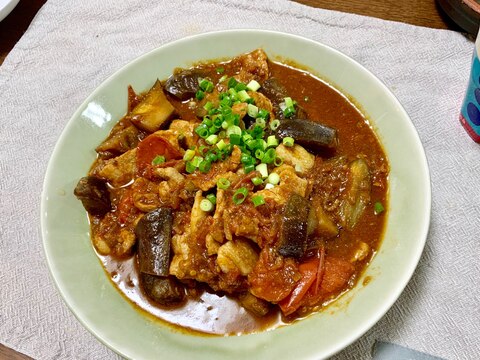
[{"x": 236, "y": 196}]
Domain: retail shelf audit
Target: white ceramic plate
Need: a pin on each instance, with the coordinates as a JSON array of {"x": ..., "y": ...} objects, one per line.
[
  {"x": 114, "y": 321},
  {"x": 6, "y": 6}
]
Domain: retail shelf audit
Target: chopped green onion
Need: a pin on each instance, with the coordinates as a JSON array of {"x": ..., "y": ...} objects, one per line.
[
  {"x": 240, "y": 195},
  {"x": 289, "y": 111},
  {"x": 269, "y": 156},
  {"x": 272, "y": 141},
  {"x": 189, "y": 167},
  {"x": 298, "y": 168},
  {"x": 253, "y": 85},
  {"x": 206, "y": 205},
  {"x": 234, "y": 129},
  {"x": 288, "y": 141},
  {"x": 269, "y": 186},
  {"x": 212, "y": 198},
  {"x": 222, "y": 134},
  {"x": 252, "y": 110},
  {"x": 235, "y": 139},
  {"x": 378, "y": 208},
  {"x": 232, "y": 83},
  {"x": 199, "y": 95},
  {"x": 211, "y": 157},
  {"x": 197, "y": 160},
  {"x": 260, "y": 122},
  {"x": 222, "y": 79},
  {"x": 203, "y": 150},
  {"x": 212, "y": 139},
  {"x": 243, "y": 96},
  {"x": 247, "y": 159},
  {"x": 249, "y": 168},
  {"x": 264, "y": 114},
  {"x": 206, "y": 85},
  {"x": 205, "y": 166},
  {"x": 223, "y": 183},
  {"x": 220, "y": 70},
  {"x": 275, "y": 124},
  {"x": 262, "y": 169},
  {"x": 259, "y": 154},
  {"x": 189, "y": 154},
  {"x": 159, "y": 159},
  {"x": 288, "y": 102},
  {"x": 278, "y": 161},
  {"x": 258, "y": 200},
  {"x": 257, "y": 181},
  {"x": 273, "y": 179},
  {"x": 240, "y": 87},
  {"x": 221, "y": 145},
  {"x": 208, "y": 106},
  {"x": 202, "y": 131}
]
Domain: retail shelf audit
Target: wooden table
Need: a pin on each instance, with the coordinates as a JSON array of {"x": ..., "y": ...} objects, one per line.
[{"x": 416, "y": 12}]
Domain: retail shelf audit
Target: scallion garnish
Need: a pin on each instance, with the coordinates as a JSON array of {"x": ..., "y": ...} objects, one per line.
[
  {"x": 262, "y": 169},
  {"x": 378, "y": 208},
  {"x": 223, "y": 183},
  {"x": 159, "y": 159},
  {"x": 212, "y": 198},
  {"x": 288, "y": 141},
  {"x": 240, "y": 195},
  {"x": 257, "y": 181},
  {"x": 189, "y": 154},
  {"x": 272, "y": 141},
  {"x": 199, "y": 95},
  {"x": 220, "y": 70},
  {"x": 211, "y": 139},
  {"x": 273, "y": 179},
  {"x": 253, "y": 85},
  {"x": 206, "y": 205},
  {"x": 258, "y": 200},
  {"x": 275, "y": 124}
]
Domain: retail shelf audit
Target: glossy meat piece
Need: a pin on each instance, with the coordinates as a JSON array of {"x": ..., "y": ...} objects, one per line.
[
  {"x": 154, "y": 232},
  {"x": 312, "y": 135},
  {"x": 94, "y": 195}
]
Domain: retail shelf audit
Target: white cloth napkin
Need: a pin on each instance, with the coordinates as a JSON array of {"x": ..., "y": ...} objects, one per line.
[{"x": 72, "y": 46}]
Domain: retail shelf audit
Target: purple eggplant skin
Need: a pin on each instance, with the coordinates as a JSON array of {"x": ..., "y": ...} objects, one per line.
[
  {"x": 154, "y": 234},
  {"x": 277, "y": 93},
  {"x": 294, "y": 231},
  {"x": 310, "y": 134},
  {"x": 184, "y": 84},
  {"x": 166, "y": 291},
  {"x": 94, "y": 195}
]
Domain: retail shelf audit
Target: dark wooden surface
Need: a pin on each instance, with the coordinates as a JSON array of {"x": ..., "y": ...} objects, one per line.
[{"x": 416, "y": 12}]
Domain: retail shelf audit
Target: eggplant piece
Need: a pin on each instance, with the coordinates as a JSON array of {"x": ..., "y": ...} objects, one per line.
[
  {"x": 357, "y": 194},
  {"x": 119, "y": 142},
  {"x": 154, "y": 234},
  {"x": 184, "y": 84},
  {"x": 277, "y": 93},
  {"x": 94, "y": 195},
  {"x": 294, "y": 231},
  {"x": 153, "y": 111},
  {"x": 166, "y": 291},
  {"x": 309, "y": 134}
]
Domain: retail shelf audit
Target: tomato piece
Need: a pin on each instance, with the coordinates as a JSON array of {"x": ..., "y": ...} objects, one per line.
[
  {"x": 151, "y": 147},
  {"x": 309, "y": 271}
]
